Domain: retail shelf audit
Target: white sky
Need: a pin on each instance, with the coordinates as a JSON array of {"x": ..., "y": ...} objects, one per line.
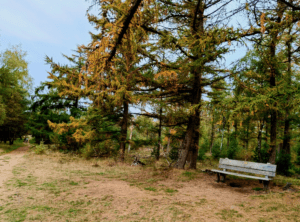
[{"x": 44, "y": 27}]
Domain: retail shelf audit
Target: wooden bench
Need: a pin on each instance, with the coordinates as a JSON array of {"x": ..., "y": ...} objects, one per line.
[{"x": 267, "y": 170}]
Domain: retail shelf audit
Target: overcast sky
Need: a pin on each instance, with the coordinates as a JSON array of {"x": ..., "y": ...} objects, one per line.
[{"x": 44, "y": 27}]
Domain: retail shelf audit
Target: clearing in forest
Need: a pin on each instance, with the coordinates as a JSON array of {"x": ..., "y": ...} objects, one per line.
[{"x": 60, "y": 187}]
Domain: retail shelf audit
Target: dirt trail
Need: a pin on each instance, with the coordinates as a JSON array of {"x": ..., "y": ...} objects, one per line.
[{"x": 8, "y": 161}]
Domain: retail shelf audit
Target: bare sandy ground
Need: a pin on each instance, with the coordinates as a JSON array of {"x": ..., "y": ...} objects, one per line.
[{"x": 7, "y": 163}]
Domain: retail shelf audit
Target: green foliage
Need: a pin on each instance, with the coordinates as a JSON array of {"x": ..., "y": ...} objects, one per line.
[
  {"x": 233, "y": 148},
  {"x": 215, "y": 151},
  {"x": 263, "y": 153},
  {"x": 40, "y": 149},
  {"x": 173, "y": 155},
  {"x": 298, "y": 154},
  {"x": 205, "y": 145},
  {"x": 106, "y": 148},
  {"x": 14, "y": 85},
  {"x": 201, "y": 154}
]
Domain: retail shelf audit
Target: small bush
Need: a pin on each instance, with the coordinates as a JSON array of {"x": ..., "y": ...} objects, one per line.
[
  {"x": 215, "y": 151},
  {"x": 201, "y": 154},
  {"x": 100, "y": 149},
  {"x": 173, "y": 155},
  {"x": 40, "y": 149},
  {"x": 298, "y": 155},
  {"x": 263, "y": 153},
  {"x": 232, "y": 149},
  {"x": 205, "y": 145}
]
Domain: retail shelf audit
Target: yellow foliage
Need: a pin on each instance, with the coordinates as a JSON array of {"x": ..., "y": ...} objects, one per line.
[
  {"x": 262, "y": 23},
  {"x": 172, "y": 131}
]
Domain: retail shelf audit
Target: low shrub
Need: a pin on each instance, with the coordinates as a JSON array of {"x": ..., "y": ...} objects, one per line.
[
  {"x": 263, "y": 153},
  {"x": 298, "y": 155},
  {"x": 232, "y": 149},
  {"x": 40, "y": 149},
  {"x": 201, "y": 154},
  {"x": 215, "y": 151}
]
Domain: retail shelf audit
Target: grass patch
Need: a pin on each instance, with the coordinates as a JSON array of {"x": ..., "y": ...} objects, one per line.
[
  {"x": 229, "y": 214},
  {"x": 6, "y": 148},
  {"x": 18, "y": 215},
  {"x": 73, "y": 183},
  {"x": 187, "y": 175},
  {"x": 282, "y": 180},
  {"x": 169, "y": 190},
  {"x": 257, "y": 188},
  {"x": 150, "y": 188}
]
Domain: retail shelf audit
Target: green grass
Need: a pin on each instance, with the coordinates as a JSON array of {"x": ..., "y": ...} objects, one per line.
[
  {"x": 257, "y": 188},
  {"x": 168, "y": 190},
  {"x": 6, "y": 148},
  {"x": 187, "y": 175},
  {"x": 73, "y": 183},
  {"x": 282, "y": 180},
  {"x": 229, "y": 214},
  {"x": 150, "y": 188}
]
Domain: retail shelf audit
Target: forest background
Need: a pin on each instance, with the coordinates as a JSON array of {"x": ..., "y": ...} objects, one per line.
[{"x": 167, "y": 59}]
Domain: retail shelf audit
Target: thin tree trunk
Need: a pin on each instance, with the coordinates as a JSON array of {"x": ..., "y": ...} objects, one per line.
[
  {"x": 247, "y": 136},
  {"x": 131, "y": 130},
  {"x": 273, "y": 128},
  {"x": 235, "y": 129},
  {"x": 222, "y": 139},
  {"x": 169, "y": 141},
  {"x": 287, "y": 137},
  {"x": 259, "y": 136},
  {"x": 124, "y": 131},
  {"x": 159, "y": 135},
  {"x": 212, "y": 132},
  {"x": 228, "y": 135}
]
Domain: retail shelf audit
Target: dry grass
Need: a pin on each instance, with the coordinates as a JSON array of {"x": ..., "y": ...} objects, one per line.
[{"x": 57, "y": 187}]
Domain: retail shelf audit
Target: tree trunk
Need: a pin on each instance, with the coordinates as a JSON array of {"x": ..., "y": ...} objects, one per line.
[
  {"x": 169, "y": 141},
  {"x": 192, "y": 132},
  {"x": 131, "y": 130},
  {"x": 197, "y": 26},
  {"x": 212, "y": 132},
  {"x": 273, "y": 128},
  {"x": 259, "y": 136},
  {"x": 124, "y": 131},
  {"x": 286, "y": 148},
  {"x": 195, "y": 143},
  {"x": 273, "y": 73},
  {"x": 228, "y": 135},
  {"x": 247, "y": 136},
  {"x": 159, "y": 135},
  {"x": 235, "y": 129}
]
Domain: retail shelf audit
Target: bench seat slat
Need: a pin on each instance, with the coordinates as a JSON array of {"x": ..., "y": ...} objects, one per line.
[
  {"x": 250, "y": 165},
  {"x": 248, "y": 170},
  {"x": 241, "y": 175}
]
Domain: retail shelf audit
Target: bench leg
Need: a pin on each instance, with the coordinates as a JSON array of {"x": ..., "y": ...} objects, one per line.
[
  {"x": 223, "y": 178},
  {"x": 266, "y": 185},
  {"x": 218, "y": 177}
]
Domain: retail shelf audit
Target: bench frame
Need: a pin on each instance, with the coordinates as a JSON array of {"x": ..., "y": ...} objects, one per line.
[{"x": 267, "y": 170}]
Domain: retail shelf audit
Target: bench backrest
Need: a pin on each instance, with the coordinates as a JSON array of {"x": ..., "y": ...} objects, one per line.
[{"x": 266, "y": 169}]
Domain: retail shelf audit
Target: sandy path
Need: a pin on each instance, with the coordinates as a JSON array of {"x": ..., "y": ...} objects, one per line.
[{"x": 8, "y": 161}]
